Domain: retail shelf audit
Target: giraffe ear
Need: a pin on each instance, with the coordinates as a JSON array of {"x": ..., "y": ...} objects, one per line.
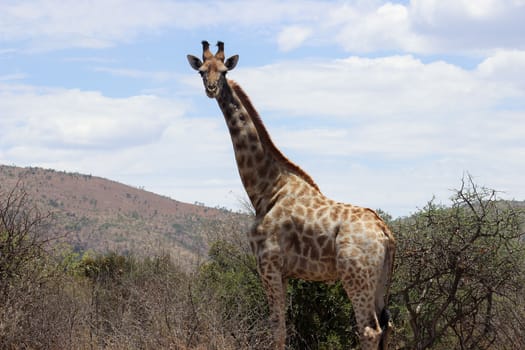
[
  {"x": 195, "y": 62},
  {"x": 231, "y": 62}
]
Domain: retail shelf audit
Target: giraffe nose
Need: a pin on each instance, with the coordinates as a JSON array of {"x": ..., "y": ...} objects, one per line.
[{"x": 211, "y": 87}]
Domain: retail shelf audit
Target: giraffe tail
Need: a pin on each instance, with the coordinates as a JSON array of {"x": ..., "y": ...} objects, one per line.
[
  {"x": 384, "y": 290},
  {"x": 384, "y": 323}
]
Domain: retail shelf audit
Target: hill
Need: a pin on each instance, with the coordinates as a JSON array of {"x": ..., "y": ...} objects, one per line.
[{"x": 103, "y": 215}]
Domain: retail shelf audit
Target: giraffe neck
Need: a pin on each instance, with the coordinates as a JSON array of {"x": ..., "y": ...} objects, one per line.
[{"x": 262, "y": 167}]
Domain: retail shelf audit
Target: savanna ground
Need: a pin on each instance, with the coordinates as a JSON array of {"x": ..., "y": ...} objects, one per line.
[{"x": 458, "y": 284}]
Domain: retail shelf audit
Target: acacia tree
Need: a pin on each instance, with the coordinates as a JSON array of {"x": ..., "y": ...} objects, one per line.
[{"x": 459, "y": 275}]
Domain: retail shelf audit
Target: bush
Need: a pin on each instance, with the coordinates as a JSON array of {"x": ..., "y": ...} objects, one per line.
[
  {"x": 35, "y": 310},
  {"x": 230, "y": 282},
  {"x": 458, "y": 284},
  {"x": 320, "y": 316},
  {"x": 459, "y": 271}
]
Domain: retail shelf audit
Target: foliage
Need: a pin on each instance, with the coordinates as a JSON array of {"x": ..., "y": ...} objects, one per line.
[
  {"x": 458, "y": 284},
  {"x": 21, "y": 225},
  {"x": 234, "y": 275},
  {"x": 28, "y": 278},
  {"x": 320, "y": 316},
  {"x": 459, "y": 270},
  {"x": 231, "y": 274}
]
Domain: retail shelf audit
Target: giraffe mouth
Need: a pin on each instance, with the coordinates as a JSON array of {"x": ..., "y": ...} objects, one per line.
[{"x": 212, "y": 92}]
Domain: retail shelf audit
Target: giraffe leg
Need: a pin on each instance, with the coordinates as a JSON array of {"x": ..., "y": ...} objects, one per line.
[
  {"x": 366, "y": 317},
  {"x": 363, "y": 303},
  {"x": 361, "y": 288},
  {"x": 275, "y": 287}
]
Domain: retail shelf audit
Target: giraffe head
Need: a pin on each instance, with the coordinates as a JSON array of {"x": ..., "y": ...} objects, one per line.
[{"x": 213, "y": 68}]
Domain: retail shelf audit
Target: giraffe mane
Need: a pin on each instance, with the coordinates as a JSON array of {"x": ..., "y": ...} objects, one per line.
[{"x": 265, "y": 136}]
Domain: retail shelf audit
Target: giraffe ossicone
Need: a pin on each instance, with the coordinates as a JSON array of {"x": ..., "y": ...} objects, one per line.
[{"x": 297, "y": 231}]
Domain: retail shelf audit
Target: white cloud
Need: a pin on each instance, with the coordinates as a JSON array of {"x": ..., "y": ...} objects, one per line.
[
  {"x": 431, "y": 11},
  {"x": 396, "y": 109},
  {"x": 292, "y": 37},
  {"x": 399, "y": 124},
  {"x": 382, "y": 29},
  {"x": 13, "y": 76},
  {"x": 357, "y": 88},
  {"x": 402, "y": 90},
  {"x": 469, "y": 26},
  {"x": 505, "y": 66},
  {"x": 94, "y": 24},
  {"x": 55, "y": 24},
  {"x": 139, "y": 140},
  {"x": 60, "y": 118},
  {"x": 421, "y": 26},
  {"x": 426, "y": 26},
  {"x": 137, "y": 74},
  {"x": 409, "y": 128}
]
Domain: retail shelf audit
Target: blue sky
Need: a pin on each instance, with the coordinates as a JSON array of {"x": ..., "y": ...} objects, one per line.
[{"x": 385, "y": 104}]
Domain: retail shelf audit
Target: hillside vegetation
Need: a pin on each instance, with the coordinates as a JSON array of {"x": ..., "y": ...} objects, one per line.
[
  {"x": 92, "y": 213},
  {"x": 459, "y": 283}
]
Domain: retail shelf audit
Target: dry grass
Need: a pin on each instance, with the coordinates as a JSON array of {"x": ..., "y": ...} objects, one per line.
[{"x": 127, "y": 304}]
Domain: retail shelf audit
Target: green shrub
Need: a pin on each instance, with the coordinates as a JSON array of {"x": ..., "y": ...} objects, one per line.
[{"x": 320, "y": 316}]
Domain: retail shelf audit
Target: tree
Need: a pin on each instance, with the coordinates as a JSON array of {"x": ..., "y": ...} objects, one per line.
[
  {"x": 27, "y": 274},
  {"x": 459, "y": 273},
  {"x": 22, "y": 237}
]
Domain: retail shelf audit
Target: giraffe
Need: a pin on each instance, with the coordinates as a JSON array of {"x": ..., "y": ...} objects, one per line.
[{"x": 297, "y": 231}]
